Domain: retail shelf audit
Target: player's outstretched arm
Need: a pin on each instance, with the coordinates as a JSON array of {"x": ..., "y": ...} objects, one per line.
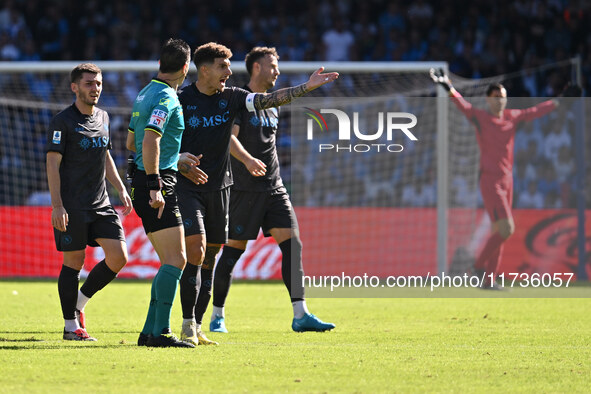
[
  {"x": 286, "y": 95},
  {"x": 255, "y": 166},
  {"x": 115, "y": 180},
  {"x": 439, "y": 77},
  {"x": 548, "y": 106},
  {"x": 187, "y": 165}
]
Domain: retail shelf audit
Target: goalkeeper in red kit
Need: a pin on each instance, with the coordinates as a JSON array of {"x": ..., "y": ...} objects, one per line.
[{"x": 495, "y": 133}]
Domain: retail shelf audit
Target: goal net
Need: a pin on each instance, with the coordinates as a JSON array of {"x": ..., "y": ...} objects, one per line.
[{"x": 383, "y": 206}]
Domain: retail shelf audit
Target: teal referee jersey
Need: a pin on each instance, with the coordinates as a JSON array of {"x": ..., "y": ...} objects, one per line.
[{"x": 157, "y": 108}]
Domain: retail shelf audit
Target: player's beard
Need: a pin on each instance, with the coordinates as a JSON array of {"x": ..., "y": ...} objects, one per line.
[
  {"x": 270, "y": 83},
  {"x": 90, "y": 100}
]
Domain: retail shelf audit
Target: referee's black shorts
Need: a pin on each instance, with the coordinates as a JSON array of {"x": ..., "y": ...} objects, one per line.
[
  {"x": 140, "y": 196},
  {"x": 251, "y": 211}
]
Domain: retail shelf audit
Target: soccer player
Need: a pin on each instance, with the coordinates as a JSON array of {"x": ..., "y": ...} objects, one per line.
[
  {"x": 258, "y": 199},
  {"x": 78, "y": 161},
  {"x": 495, "y": 133},
  {"x": 154, "y": 134},
  {"x": 210, "y": 109}
]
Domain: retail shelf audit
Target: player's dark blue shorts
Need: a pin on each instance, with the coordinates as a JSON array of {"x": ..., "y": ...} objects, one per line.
[
  {"x": 251, "y": 211},
  {"x": 85, "y": 226},
  {"x": 140, "y": 196},
  {"x": 205, "y": 213}
]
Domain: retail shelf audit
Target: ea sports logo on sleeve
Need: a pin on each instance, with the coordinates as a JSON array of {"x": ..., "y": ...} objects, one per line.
[{"x": 389, "y": 125}]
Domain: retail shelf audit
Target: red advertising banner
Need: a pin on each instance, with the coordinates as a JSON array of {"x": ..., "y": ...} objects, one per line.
[
  {"x": 392, "y": 241},
  {"x": 27, "y": 249},
  {"x": 376, "y": 241}
]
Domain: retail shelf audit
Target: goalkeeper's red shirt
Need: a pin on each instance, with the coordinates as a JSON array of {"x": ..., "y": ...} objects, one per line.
[{"x": 496, "y": 136}]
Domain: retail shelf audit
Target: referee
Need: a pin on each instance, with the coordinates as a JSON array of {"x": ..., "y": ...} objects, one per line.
[{"x": 155, "y": 132}]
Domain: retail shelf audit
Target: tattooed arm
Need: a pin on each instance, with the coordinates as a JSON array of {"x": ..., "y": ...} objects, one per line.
[
  {"x": 285, "y": 96},
  {"x": 187, "y": 165}
]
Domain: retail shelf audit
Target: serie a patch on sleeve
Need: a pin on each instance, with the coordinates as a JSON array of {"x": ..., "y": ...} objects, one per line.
[
  {"x": 158, "y": 118},
  {"x": 57, "y": 137}
]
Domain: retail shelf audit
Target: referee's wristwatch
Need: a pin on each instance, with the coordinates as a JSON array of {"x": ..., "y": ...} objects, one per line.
[{"x": 154, "y": 182}]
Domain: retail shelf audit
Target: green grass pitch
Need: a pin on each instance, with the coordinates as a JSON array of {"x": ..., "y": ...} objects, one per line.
[{"x": 379, "y": 345}]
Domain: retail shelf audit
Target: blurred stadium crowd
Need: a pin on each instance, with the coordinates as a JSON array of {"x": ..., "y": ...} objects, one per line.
[{"x": 478, "y": 39}]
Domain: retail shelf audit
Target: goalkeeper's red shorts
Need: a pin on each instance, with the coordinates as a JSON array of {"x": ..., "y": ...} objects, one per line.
[{"x": 497, "y": 195}]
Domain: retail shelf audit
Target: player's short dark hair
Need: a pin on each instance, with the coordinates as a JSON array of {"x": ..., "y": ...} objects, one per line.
[
  {"x": 76, "y": 73},
  {"x": 492, "y": 87},
  {"x": 207, "y": 53},
  {"x": 258, "y": 53},
  {"x": 175, "y": 53}
]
